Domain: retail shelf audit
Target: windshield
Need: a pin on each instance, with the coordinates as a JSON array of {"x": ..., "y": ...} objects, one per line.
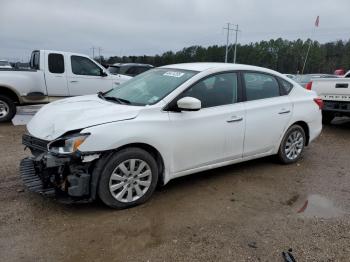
[
  {"x": 114, "y": 69},
  {"x": 4, "y": 63},
  {"x": 151, "y": 86}
]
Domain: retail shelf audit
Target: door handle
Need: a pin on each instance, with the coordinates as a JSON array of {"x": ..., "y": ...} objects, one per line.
[
  {"x": 74, "y": 81},
  {"x": 284, "y": 111},
  {"x": 235, "y": 119}
]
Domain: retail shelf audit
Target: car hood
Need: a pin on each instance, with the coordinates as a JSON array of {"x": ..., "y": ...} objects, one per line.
[{"x": 59, "y": 117}]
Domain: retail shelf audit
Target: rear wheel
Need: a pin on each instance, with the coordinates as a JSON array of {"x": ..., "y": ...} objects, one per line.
[
  {"x": 327, "y": 118},
  {"x": 7, "y": 109},
  {"x": 292, "y": 145},
  {"x": 129, "y": 178}
]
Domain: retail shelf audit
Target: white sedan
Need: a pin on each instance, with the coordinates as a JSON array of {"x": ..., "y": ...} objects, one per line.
[{"x": 166, "y": 123}]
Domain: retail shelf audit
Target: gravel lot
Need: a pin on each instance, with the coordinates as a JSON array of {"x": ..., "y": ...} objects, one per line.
[{"x": 247, "y": 212}]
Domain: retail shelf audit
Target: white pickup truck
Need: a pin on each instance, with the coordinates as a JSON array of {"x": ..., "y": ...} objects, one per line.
[
  {"x": 335, "y": 92},
  {"x": 52, "y": 75}
]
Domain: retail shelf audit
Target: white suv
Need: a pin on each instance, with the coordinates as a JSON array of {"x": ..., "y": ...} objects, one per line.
[{"x": 166, "y": 123}]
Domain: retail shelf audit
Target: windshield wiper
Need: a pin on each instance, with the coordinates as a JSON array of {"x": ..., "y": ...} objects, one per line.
[
  {"x": 112, "y": 98},
  {"x": 100, "y": 95},
  {"x": 117, "y": 99}
]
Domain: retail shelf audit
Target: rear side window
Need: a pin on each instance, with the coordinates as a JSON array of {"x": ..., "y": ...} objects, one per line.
[
  {"x": 286, "y": 86},
  {"x": 260, "y": 86},
  {"x": 56, "y": 63},
  {"x": 35, "y": 60},
  {"x": 142, "y": 69},
  {"x": 131, "y": 71}
]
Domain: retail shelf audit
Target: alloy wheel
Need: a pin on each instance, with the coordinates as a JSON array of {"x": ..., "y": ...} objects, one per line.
[
  {"x": 130, "y": 180},
  {"x": 4, "y": 109},
  {"x": 294, "y": 145}
]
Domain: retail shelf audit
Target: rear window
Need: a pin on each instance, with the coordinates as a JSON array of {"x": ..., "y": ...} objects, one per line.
[{"x": 56, "y": 63}]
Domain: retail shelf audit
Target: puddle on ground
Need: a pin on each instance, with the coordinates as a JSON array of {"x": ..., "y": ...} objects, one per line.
[{"x": 321, "y": 207}]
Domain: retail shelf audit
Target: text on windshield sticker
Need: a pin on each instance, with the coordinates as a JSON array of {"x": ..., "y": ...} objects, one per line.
[{"x": 173, "y": 74}]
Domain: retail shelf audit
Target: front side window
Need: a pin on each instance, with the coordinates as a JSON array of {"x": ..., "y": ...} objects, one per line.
[
  {"x": 260, "y": 86},
  {"x": 150, "y": 87},
  {"x": 84, "y": 66},
  {"x": 56, "y": 63},
  {"x": 215, "y": 90}
]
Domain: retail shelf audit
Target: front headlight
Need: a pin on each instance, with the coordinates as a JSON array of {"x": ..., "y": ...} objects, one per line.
[{"x": 66, "y": 145}]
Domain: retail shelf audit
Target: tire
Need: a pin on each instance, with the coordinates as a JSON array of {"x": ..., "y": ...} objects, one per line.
[
  {"x": 116, "y": 183},
  {"x": 296, "y": 138},
  {"x": 7, "y": 109},
  {"x": 327, "y": 118}
]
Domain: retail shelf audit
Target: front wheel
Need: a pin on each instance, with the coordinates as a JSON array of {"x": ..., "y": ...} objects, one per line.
[
  {"x": 7, "y": 109},
  {"x": 292, "y": 145},
  {"x": 129, "y": 178}
]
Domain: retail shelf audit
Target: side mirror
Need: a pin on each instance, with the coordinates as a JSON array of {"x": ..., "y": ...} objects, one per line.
[
  {"x": 103, "y": 73},
  {"x": 189, "y": 104}
]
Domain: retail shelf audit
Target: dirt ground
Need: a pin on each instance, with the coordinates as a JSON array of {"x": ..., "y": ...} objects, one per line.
[{"x": 246, "y": 212}]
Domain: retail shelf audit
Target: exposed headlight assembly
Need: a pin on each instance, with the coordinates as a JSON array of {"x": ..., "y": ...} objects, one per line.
[{"x": 66, "y": 145}]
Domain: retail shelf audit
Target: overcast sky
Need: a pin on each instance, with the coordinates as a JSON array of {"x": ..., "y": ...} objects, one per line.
[{"x": 137, "y": 27}]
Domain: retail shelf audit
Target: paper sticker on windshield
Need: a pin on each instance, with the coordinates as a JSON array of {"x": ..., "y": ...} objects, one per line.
[{"x": 173, "y": 74}]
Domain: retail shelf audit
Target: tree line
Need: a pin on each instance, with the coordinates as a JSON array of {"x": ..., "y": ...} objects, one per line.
[{"x": 281, "y": 55}]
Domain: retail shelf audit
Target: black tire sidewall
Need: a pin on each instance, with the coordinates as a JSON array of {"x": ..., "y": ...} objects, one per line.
[
  {"x": 113, "y": 162},
  {"x": 12, "y": 108},
  {"x": 281, "y": 153}
]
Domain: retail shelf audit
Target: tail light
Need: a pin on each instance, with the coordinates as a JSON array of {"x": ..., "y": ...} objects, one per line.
[
  {"x": 309, "y": 85},
  {"x": 319, "y": 102}
]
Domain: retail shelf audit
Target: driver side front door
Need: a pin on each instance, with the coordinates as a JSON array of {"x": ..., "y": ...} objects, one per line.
[{"x": 215, "y": 133}]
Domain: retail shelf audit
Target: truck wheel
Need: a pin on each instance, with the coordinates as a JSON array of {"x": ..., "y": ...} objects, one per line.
[
  {"x": 292, "y": 145},
  {"x": 129, "y": 178},
  {"x": 327, "y": 118},
  {"x": 7, "y": 109}
]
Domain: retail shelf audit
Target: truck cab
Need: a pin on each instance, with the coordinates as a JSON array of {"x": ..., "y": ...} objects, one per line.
[{"x": 52, "y": 75}]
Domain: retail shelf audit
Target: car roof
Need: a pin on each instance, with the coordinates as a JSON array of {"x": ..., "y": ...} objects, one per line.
[{"x": 200, "y": 66}]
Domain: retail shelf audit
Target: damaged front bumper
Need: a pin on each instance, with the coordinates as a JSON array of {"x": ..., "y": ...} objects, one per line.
[{"x": 64, "y": 177}]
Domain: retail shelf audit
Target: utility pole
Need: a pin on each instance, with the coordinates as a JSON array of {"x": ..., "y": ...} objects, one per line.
[
  {"x": 93, "y": 52},
  {"x": 227, "y": 39},
  {"x": 235, "y": 54},
  {"x": 99, "y": 54}
]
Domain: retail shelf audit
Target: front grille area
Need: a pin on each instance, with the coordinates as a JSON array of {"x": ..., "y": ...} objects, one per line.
[
  {"x": 32, "y": 181},
  {"x": 34, "y": 143}
]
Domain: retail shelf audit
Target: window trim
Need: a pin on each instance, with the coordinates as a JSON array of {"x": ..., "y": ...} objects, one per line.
[
  {"x": 48, "y": 63},
  {"x": 280, "y": 88},
  {"x": 172, "y": 106}
]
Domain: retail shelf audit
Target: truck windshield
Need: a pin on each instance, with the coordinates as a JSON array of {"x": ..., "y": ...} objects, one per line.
[{"x": 151, "y": 86}]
